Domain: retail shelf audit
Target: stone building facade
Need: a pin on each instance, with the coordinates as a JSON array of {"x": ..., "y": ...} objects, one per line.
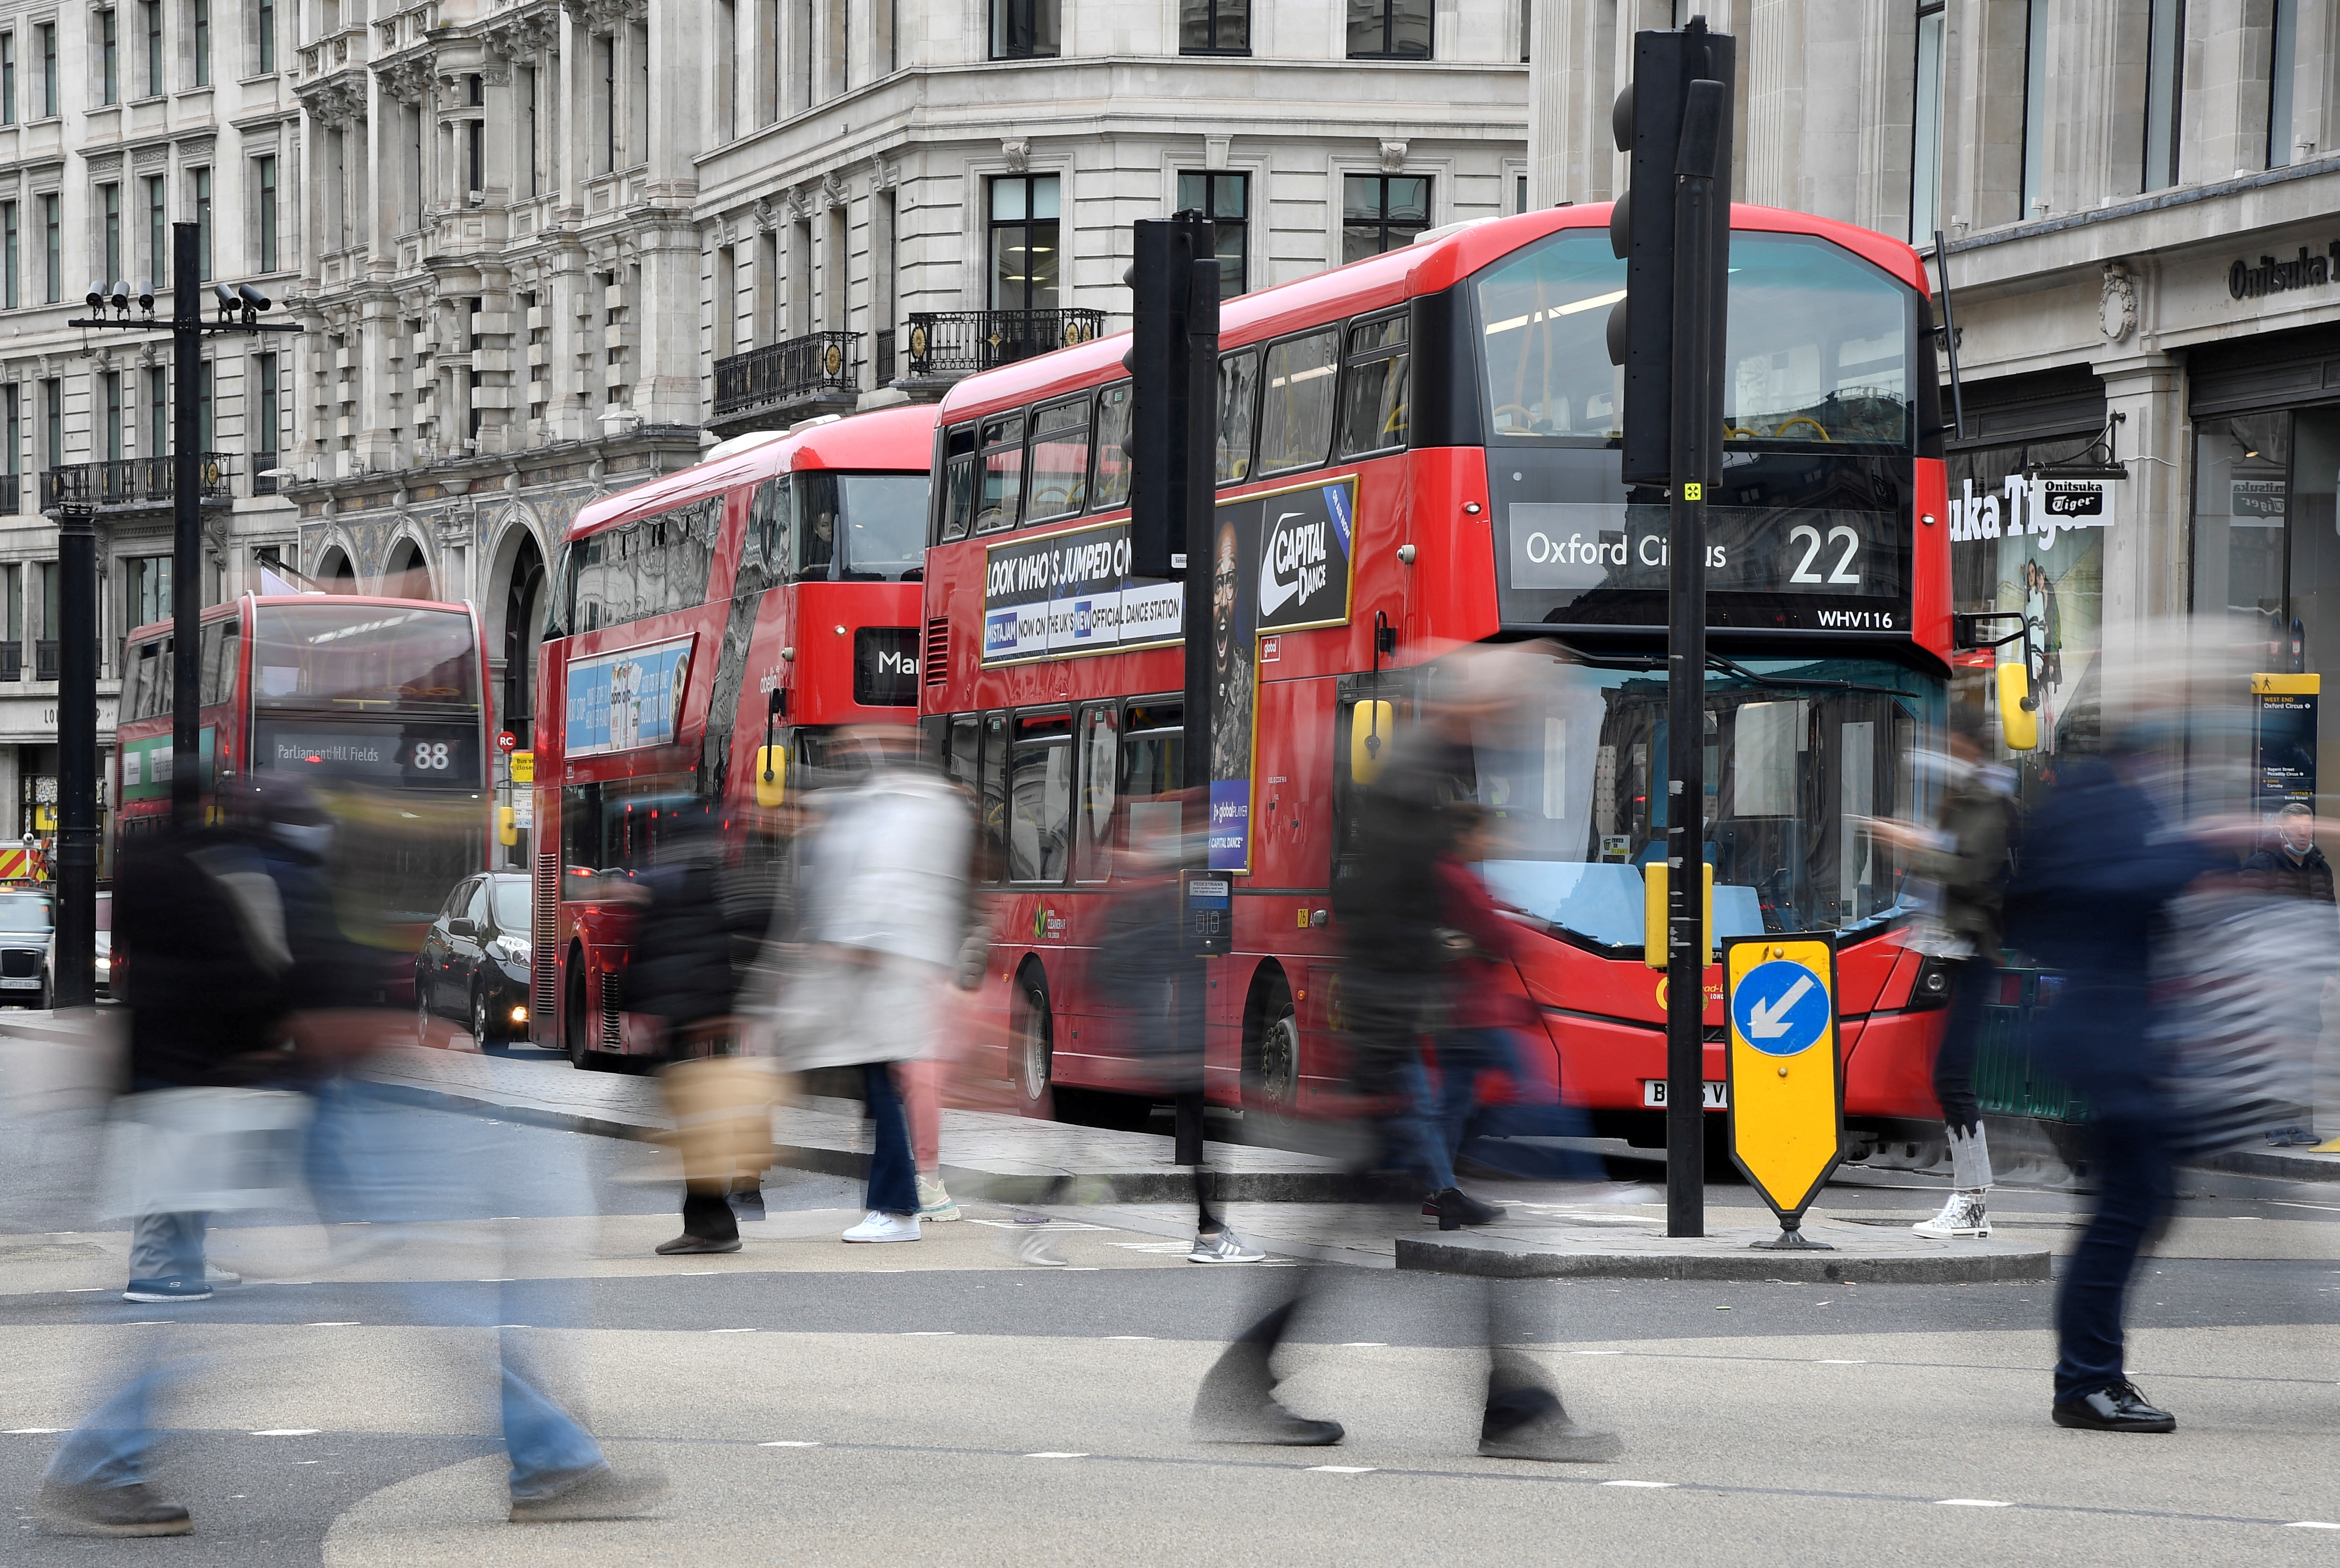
[{"x": 2137, "y": 201}]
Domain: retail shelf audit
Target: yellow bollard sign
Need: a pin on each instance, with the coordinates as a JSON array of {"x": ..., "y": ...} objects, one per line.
[{"x": 1785, "y": 1071}]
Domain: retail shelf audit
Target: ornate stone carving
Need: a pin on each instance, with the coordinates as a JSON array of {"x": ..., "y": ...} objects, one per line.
[
  {"x": 833, "y": 191},
  {"x": 529, "y": 38},
  {"x": 766, "y": 219},
  {"x": 1392, "y": 157},
  {"x": 604, "y": 16},
  {"x": 338, "y": 99},
  {"x": 1017, "y": 151},
  {"x": 2117, "y": 309},
  {"x": 408, "y": 80}
]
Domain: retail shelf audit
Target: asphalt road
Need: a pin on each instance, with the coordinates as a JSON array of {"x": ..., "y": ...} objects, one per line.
[{"x": 939, "y": 1402}]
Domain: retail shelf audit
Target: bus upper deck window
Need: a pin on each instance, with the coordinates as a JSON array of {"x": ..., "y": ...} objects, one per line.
[
  {"x": 1002, "y": 501},
  {"x": 1111, "y": 487},
  {"x": 1060, "y": 459},
  {"x": 1296, "y": 422},
  {"x": 1373, "y": 395},
  {"x": 959, "y": 482},
  {"x": 1819, "y": 345},
  {"x": 1238, "y": 411},
  {"x": 1543, "y": 317}
]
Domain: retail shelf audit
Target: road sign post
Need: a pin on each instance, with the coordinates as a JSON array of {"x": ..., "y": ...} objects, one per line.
[{"x": 1785, "y": 1071}]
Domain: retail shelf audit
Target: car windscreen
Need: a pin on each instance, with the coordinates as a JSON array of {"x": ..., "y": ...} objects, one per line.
[
  {"x": 509, "y": 897},
  {"x": 23, "y": 912}
]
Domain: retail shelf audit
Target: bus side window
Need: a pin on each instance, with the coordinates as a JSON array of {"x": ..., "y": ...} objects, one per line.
[
  {"x": 1111, "y": 487},
  {"x": 1040, "y": 798},
  {"x": 959, "y": 482},
  {"x": 560, "y": 604},
  {"x": 1374, "y": 392},
  {"x": 1003, "y": 474},
  {"x": 962, "y": 747},
  {"x": 1152, "y": 770},
  {"x": 1238, "y": 411},
  {"x": 1296, "y": 427},
  {"x": 768, "y": 524},
  {"x": 580, "y": 827},
  {"x": 1100, "y": 749},
  {"x": 995, "y": 794},
  {"x": 1060, "y": 459},
  {"x": 220, "y": 640},
  {"x": 138, "y": 680}
]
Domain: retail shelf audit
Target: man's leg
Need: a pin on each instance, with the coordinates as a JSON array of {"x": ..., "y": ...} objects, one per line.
[
  {"x": 1237, "y": 1403},
  {"x": 1524, "y": 1418},
  {"x": 893, "y": 1172},
  {"x": 94, "y": 1485},
  {"x": 2135, "y": 1189}
]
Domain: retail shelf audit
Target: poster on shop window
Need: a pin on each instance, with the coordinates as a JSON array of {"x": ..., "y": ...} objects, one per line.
[{"x": 2021, "y": 543}]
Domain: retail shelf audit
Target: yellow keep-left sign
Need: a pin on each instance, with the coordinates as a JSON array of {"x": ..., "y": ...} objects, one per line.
[{"x": 1785, "y": 1070}]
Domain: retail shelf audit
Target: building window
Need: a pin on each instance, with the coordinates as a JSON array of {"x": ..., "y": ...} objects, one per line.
[
  {"x": 147, "y": 591},
  {"x": 50, "y": 104},
  {"x": 1926, "y": 132},
  {"x": 1389, "y": 29},
  {"x": 271, "y": 410},
  {"x": 605, "y": 54},
  {"x": 7, "y": 78},
  {"x": 151, "y": 15},
  {"x": 1226, "y": 199},
  {"x": 10, "y": 263},
  {"x": 111, "y": 383},
  {"x": 204, "y": 442},
  {"x": 526, "y": 82},
  {"x": 2283, "y": 68},
  {"x": 2035, "y": 111},
  {"x": 1214, "y": 26},
  {"x": 109, "y": 60},
  {"x": 202, "y": 18},
  {"x": 201, "y": 179},
  {"x": 264, "y": 26},
  {"x": 158, "y": 235},
  {"x": 264, "y": 185},
  {"x": 158, "y": 411},
  {"x": 1024, "y": 243},
  {"x": 1024, "y": 29},
  {"x": 53, "y": 263},
  {"x": 109, "y": 206},
  {"x": 2164, "y": 86},
  {"x": 1381, "y": 212},
  {"x": 53, "y": 416}
]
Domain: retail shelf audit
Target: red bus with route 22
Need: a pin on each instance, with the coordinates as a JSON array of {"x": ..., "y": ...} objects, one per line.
[
  {"x": 761, "y": 600},
  {"x": 380, "y": 704},
  {"x": 1418, "y": 451}
]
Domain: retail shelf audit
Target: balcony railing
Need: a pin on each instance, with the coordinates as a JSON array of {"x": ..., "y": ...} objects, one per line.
[
  {"x": 45, "y": 659},
  {"x": 12, "y": 661},
  {"x": 129, "y": 482},
  {"x": 961, "y": 342},
  {"x": 783, "y": 372},
  {"x": 11, "y": 491}
]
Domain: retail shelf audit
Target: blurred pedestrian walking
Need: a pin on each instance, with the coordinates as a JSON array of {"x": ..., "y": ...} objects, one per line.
[
  {"x": 883, "y": 887},
  {"x": 2100, "y": 868},
  {"x": 2291, "y": 866},
  {"x": 1966, "y": 856}
]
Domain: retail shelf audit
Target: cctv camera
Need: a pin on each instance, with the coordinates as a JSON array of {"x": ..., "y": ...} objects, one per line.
[
  {"x": 253, "y": 300},
  {"x": 97, "y": 295}
]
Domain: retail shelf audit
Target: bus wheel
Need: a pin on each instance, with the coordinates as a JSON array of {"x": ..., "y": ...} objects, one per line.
[
  {"x": 1035, "y": 1037},
  {"x": 1274, "y": 1076},
  {"x": 576, "y": 1028}
]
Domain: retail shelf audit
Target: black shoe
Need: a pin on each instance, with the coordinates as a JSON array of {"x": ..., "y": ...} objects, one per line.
[
  {"x": 686, "y": 1243},
  {"x": 1530, "y": 1423},
  {"x": 1266, "y": 1421},
  {"x": 176, "y": 1287},
  {"x": 111, "y": 1510},
  {"x": 2118, "y": 1408},
  {"x": 748, "y": 1205},
  {"x": 1457, "y": 1208}
]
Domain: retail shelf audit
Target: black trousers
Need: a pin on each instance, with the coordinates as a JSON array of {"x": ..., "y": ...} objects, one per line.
[
  {"x": 707, "y": 1216},
  {"x": 1954, "y": 1064}
]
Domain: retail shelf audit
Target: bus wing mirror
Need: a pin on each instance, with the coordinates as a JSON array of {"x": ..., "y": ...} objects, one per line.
[
  {"x": 507, "y": 827},
  {"x": 1653, "y": 914},
  {"x": 1372, "y": 727},
  {"x": 771, "y": 775},
  {"x": 2019, "y": 714}
]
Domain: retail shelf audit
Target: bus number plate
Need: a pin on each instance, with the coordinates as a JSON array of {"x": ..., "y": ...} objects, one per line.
[{"x": 1718, "y": 1094}]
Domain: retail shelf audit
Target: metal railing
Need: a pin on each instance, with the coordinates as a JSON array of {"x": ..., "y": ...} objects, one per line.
[
  {"x": 885, "y": 367},
  {"x": 12, "y": 661},
  {"x": 45, "y": 659},
  {"x": 961, "y": 342},
  {"x": 11, "y": 491},
  {"x": 129, "y": 482},
  {"x": 783, "y": 371}
]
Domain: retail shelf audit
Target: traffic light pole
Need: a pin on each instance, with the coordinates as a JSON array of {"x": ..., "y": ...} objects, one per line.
[
  {"x": 186, "y": 529},
  {"x": 1701, "y": 224},
  {"x": 75, "y": 965}
]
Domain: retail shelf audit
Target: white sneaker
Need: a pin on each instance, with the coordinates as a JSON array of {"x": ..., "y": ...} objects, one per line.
[
  {"x": 1224, "y": 1247},
  {"x": 882, "y": 1226},
  {"x": 214, "y": 1275},
  {"x": 1962, "y": 1216},
  {"x": 934, "y": 1203}
]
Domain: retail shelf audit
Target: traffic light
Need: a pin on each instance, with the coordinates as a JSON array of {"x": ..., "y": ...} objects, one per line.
[
  {"x": 1173, "y": 361},
  {"x": 1648, "y": 124}
]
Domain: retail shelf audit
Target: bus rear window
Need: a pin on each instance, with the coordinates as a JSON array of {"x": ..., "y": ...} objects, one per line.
[{"x": 364, "y": 658}]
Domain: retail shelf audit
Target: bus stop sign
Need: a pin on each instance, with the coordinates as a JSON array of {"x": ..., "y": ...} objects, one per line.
[{"x": 1785, "y": 1071}]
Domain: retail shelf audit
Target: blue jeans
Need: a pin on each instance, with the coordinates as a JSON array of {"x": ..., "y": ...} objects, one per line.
[
  {"x": 1411, "y": 1133},
  {"x": 384, "y": 1163},
  {"x": 893, "y": 1169},
  {"x": 2135, "y": 1188},
  {"x": 1462, "y": 1056}
]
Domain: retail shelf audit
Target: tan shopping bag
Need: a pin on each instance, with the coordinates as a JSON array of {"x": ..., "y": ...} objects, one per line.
[{"x": 722, "y": 1111}]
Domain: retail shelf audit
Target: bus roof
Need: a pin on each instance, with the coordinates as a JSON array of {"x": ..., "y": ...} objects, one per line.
[
  {"x": 899, "y": 440},
  {"x": 224, "y": 611},
  {"x": 1376, "y": 282}
]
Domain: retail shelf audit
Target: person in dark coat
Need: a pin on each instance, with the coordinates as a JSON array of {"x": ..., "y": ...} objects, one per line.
[
  {"x": 2292, "y": 867},
  {"x": 2100, "y": 868},
  {"x": 691, "y": 950}
]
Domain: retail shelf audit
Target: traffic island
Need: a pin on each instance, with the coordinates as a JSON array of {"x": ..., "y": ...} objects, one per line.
[{"x": 1615, "y": 1248}]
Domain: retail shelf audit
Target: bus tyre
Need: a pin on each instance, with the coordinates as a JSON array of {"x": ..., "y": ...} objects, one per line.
[
  {"x": 1273, "y": 1079},
  {"x": 576, "y": 1028},
  {"x": 1034, "y": 1038}
]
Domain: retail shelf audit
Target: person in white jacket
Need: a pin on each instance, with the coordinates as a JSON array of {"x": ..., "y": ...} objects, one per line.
[{"x": 884, "y": 896}]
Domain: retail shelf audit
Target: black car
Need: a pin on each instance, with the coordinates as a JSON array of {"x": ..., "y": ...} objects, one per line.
[{"x": 474, "y": 959}]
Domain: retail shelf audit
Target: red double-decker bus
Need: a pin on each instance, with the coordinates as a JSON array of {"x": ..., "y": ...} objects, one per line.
[
  {"x": 707, "y": 631},
  {"x": 1418, "y": 452}
]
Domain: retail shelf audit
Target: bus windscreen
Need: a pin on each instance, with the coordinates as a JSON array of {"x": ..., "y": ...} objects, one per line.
[
  {"x": 885, "y": 525},
  {"x": 378, "y": 659}
]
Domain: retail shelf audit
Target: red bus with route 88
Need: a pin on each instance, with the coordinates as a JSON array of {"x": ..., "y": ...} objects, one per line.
[
  {"x": 709, "y": 634},
  {"x": 1417, "y": 452}
]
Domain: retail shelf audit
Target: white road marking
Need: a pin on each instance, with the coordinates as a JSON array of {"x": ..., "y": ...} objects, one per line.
[
  {"x": 928, "y": 1332},
  {"x": 85, "y": 1289},
  {"x": 1051, "y": 1454},
  {"x": 1344, "y": 1469},
  {"x": 30, "y": 1431},
  {"x": 1647, "y": 1486},
  {"x": 788, "y": 1443},
  {"x": 1596, "y": 1353},
  {"x": 351, "y": 1323},
  {"x": 1129, "y": 1336},
  {"x": 2310, "y": 1524},
  {"x": 1838, "y": 1361},
  {"x": 286, "y": 1432},
  {"x": 730, "y": 1331},
  {"x": 694, "y": 1272},
  {"x": 1365, "y": 1345},
  {"x": 1971, "y": 1503}
]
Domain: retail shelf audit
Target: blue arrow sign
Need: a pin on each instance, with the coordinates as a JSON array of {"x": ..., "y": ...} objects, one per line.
[{"x": 1781, "y": 1008}]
